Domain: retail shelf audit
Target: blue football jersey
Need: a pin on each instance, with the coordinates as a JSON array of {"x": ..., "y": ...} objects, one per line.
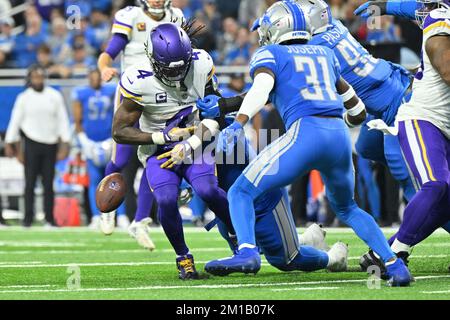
[
  {"x": 305, "y": 80},
  {"x": 98, "y": 110},
  {"x": 358, "y": 67}
]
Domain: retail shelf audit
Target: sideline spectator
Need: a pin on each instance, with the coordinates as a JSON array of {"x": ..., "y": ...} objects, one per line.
[
  {"x": 7, "y": 41},
  {"x": 40, "y": 114}
]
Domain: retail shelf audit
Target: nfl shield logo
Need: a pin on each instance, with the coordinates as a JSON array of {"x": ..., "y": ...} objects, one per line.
[{"x": 161, "y": 97}]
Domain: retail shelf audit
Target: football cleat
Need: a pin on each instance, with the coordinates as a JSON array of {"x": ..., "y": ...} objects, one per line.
[
  {"x": 186, "y": 268},
  {"x": 140, "y": 232},
  {"x": 338, "y": 257},
  {"x": 398, "y": 274},
  {"x": 314, "y": 236},
  {"x": 404, "y": 256},
  {"x": 369, "y": 260},
  {"x": 246, "y": 260},
  {"x": 108, "y": 223},
  {"x": 123, "y": 222}
]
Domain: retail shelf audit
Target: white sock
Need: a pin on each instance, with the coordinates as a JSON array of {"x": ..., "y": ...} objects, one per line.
[
  {"x": 398, "y": 246},
  {"x": 247, "y": 245}
]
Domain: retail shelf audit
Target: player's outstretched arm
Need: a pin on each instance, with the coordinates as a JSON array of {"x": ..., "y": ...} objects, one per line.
[
  {"x": 356, "y": 110},
  {"x": 438, "y": 50},
  {"x": 399, "y": 8}
]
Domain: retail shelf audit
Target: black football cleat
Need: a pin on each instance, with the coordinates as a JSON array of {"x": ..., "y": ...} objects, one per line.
[
  {"x": 404, "y": 256},
  {"x": 186, "y": 268},
  {"x": 369, "y": 260}
]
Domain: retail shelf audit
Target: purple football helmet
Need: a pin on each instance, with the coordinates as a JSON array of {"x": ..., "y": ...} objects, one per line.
[
  {"x": 170, "y": 52},
  {"x": 425, "y": 6}
]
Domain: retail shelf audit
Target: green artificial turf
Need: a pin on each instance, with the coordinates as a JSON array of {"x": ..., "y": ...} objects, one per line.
[{"x": 42, "y": 264}]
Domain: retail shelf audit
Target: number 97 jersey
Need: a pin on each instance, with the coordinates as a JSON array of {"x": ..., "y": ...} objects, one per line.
[
  {"x": 358, "y": 66},
  {"x": 305, "y": 80}
]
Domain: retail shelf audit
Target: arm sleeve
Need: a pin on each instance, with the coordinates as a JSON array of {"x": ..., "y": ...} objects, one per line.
[
  {"x": 258, "y": 95},
  {"x": 402, "y": 8},
  {"x": 117, "y": 44},
  {"x": 63, "y": 120},
  {"x": 13, "y": 132}
]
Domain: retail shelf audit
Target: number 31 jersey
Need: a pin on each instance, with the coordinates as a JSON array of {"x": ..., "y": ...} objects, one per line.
[{"x": 305, "y": 80}]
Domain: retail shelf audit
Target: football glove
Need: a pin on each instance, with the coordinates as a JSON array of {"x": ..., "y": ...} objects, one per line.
[
  {"x": 228, "y": 137},
  {"x": 209, "y": 106}
]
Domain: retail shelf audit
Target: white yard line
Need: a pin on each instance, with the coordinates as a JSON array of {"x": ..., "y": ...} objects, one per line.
[
  {"x": 222, "y": 286},
  {"x": 28, "y": 286},
  {"x": 186, "y": 230},
  {"x": 306, "y": 289},
  {"x": 107, "y": 251},
  {"x": 435, "y": 292}
]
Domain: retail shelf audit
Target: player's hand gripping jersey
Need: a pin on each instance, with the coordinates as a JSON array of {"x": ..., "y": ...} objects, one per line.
[
  {"x": 161, "y": 104},
  {"x": 431, "y": 95},
  {"x": 136, "y": 24}
]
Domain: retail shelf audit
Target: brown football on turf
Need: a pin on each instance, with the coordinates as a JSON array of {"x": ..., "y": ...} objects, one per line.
[{"x": 110, "y": 192}]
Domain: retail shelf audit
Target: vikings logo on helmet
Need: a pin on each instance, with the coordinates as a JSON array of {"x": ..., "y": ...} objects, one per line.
[
  {"x": 170, "y": 54},
  {"x": 424, "y": 7}
]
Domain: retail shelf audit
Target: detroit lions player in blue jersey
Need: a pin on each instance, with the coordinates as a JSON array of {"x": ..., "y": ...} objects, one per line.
[
  {"x": 304, "y": 83},
  {"x": 93, "y": 108},
  {"x": 380, "y": 84},
  {"x": 275, "y": 230}
]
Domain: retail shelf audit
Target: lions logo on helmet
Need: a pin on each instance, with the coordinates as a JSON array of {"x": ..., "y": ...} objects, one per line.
[
  {"x": 319, "y": 14},
  {"x": 283, "y": 21}
]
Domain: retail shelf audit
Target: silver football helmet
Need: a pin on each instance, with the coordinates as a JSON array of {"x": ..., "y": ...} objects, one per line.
[
  {"x": 319, "y": 14},
  {"x": 283, "y": 21}
]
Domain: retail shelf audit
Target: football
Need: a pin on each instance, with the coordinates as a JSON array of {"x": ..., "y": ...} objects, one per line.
[{"x": 110, "y": 192}]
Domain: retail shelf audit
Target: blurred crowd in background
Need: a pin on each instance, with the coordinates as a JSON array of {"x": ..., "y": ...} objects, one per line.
[{"x": 42, "y": 34}]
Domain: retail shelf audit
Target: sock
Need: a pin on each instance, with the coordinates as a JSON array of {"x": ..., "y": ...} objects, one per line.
[
  {"x": 247, "y": 245},
  {"x": 366, "y": 229},
  {"x": 242, "y": 210},
  {"x": 424, "y": 213},
  {"x": 397, "y": 247},
  {"x": 309, "y": 259},
  {"x": 170, "y": 218},
  {"x": 144, "y": 200}
]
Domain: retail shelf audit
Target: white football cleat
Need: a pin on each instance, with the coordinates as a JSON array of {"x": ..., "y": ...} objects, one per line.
[
  {"x": 95, "y": 223},
  {"x": 338, "y": 257},
  {"x": 108, "y": 223},
  {"x": 140, "y": 232},
  {"x": 123, "y": 222},
  {"x": 314, "y": 236}
]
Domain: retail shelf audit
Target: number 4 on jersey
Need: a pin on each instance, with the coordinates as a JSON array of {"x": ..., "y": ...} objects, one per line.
[{"x": 144, "y": 74}]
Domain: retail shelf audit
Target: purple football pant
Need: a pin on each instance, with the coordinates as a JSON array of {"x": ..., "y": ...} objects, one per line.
[
  {"x": 165, "y": 185},
  {"x": 427, "y": 153}
]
